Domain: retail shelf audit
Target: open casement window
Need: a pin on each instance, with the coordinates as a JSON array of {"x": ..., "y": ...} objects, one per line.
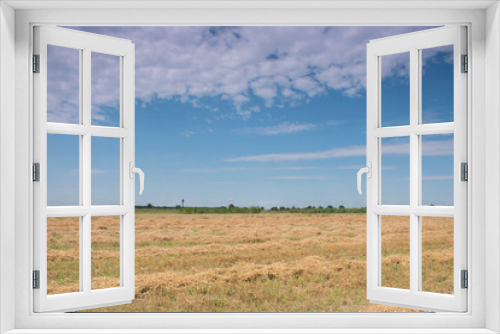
[
  {"x": 70, "y": 129},
  {"x": 417, "y": 139}
]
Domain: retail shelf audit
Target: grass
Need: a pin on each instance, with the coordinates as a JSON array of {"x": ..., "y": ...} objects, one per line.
[{"x": 266, "y": 262}]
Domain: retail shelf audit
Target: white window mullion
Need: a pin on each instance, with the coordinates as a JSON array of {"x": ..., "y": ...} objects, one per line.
[
  {"x": 434, "y": 129},
  {"x": 81, "y": 169},
  {"x": 405, "y": 210},
  {"x": 416, "y": 127},
  {"x": 393, "y": 131},
  {"x": 127, "y": 263},
  {"x": 414, "y": 170},
  {"x": 372, "y": 186},
  {"x": 392, "y": 210},
  {"x": 86, "y": 167}
]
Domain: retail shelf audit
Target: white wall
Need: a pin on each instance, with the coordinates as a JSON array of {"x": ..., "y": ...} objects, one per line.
[
  {"x": 492, "y": 164},
  {"x": 7, "y": 160}
]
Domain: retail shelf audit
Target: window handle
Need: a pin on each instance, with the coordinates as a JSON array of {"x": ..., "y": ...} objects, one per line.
[
  {"x": 139, "y": 171},
  {"x": 368, "y": 171}
]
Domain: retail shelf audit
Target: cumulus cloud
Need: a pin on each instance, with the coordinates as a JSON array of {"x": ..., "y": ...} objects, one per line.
[
  {"x": 63, "y": 85},
  {"x": 280, "y": 66}
]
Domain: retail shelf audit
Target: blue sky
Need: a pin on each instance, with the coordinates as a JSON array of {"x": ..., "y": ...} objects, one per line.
[{"x": 265, "y": 116}]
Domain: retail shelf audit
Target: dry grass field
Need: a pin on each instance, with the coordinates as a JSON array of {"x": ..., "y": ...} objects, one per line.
[{"x": 267, "y": 262}]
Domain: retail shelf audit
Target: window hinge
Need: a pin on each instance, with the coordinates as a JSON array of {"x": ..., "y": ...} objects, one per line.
[
  {"x": 465, "y": 279},
  {"x": 36, "y": 63},
  {"x": 464, "y": 171},
  {"x": 465, "y": 63},
  {"x": 36, "y": 172},
  {"x": 36, "y": 279}
]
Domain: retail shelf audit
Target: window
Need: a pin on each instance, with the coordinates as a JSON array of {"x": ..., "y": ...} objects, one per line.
[
  {"x": 417, "y": 139},
  {"x": 483, "y": 236},
  {"x": 70, "y": 127},
  {"x": 397, "y": 284}
]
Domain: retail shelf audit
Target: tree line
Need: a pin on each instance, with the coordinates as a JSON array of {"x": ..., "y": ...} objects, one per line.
[{"x": 251, "y": 209}]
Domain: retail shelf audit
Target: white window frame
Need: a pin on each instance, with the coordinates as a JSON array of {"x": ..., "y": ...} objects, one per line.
[
  {"x": 414, "y": 43},
  {"x": 85, "y": 44},
  {"x": 482, "y": 19}
]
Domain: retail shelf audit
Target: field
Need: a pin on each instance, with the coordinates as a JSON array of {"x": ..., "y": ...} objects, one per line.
[{"x": 265, "y": 262}]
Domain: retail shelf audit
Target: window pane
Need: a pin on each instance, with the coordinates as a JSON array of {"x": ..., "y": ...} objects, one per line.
[
  {"x": 437, "y": 170},
  {"x": 105, "y": 171},
  {"x": 437, "y": 84},
  {"x": 63, "y": 170},
  {"x": 395, "y": 173},
  {"x": 63, "y": 85},
  {"x": 395, "y": 266},
  {"x": 395, "y": 94},
  {"x": 63, "y": 255},
  {"x": 437, "y": 254},
  {"x": 105, "y": 252},
  {"x": 105, "y": 89}
]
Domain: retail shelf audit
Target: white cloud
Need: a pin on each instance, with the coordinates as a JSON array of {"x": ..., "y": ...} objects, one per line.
[
  {"x": 239, "y": 169},
  {"x": 213, "y": 170},
  {"x": 437, "y": 147},
  {"x": 299, "y": 177},
  {"x": 63, "y": 85},
  {"x": 288, "y": 128},
  {"x": 283, "y": 128},
  {"x": 187, "y": 133},
  {"x": 351, "y": 151},
  {"x": 282, "y": 66},
  {"x": 94, "y": 171},
  {"x": 357, "y": 167},
  {"x": 296, "y": 168},
  {"x": 430, "y": 148},
  {"x": 437, "y": 177},
  {"x": 351, "y": 167}
]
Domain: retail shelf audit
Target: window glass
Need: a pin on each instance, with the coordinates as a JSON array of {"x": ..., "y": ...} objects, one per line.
[
  {"x": 63, "y": 170},
  {"x": 105, "y": 89},
  {"x": 395, "y": 266},
  {"x": 395, "y": 171},
  {"x": 437, "y": 170},
  {"x": 63, "y": 255},
  {"x": 437, "y": 84},
  {"x": 106, "y": 184},
  {"x": 437, "y": 254},
  {"x": 395, "y": 94},
  {"x": 63, "y": 85}
]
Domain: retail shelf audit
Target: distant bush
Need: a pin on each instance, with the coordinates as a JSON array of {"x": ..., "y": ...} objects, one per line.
[{"x": 328, "y": 209}]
